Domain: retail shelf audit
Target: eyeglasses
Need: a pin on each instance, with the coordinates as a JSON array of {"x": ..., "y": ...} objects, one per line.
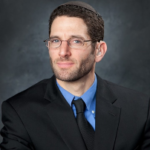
[{"x": 75, "y": 43}]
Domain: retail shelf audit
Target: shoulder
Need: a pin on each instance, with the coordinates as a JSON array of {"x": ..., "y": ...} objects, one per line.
[
  {"x": 118, "y": 89},
  {"x": 128, "y": 96},
  {"x": 33, "y": 94}
]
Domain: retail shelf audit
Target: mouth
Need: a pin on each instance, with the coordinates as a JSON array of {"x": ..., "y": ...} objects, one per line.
[{"x": 65, "y": 64}]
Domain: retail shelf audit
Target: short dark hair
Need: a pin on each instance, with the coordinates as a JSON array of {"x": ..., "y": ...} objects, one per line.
[{"x": 93, "y": 21}]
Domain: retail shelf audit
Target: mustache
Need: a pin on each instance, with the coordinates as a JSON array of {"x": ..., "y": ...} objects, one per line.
[{"x": 64, "y": 60}]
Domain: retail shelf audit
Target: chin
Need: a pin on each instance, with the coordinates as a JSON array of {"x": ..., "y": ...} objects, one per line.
[
  {"x": 67, "y": 78},
  {"x": 70, "y": 77}
]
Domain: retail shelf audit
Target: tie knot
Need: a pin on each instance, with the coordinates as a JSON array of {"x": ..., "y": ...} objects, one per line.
[{"x": 80, "y": 105}]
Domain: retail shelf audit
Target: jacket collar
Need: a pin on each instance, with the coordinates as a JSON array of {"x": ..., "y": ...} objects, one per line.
[{"x": 53, "y": 92}]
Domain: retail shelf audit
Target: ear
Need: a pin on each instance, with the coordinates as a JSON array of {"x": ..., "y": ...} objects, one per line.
[{"x": 101, "y": 48}]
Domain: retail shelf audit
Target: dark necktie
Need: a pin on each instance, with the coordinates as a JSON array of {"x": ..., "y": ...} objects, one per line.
[{"x": 85, "y": 128}]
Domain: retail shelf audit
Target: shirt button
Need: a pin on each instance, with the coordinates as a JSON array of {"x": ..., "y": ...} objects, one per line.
[{"x": 93, "y": 111}]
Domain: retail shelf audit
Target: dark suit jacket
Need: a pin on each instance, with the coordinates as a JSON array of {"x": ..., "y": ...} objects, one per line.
[{"x": 39, "y": 118}]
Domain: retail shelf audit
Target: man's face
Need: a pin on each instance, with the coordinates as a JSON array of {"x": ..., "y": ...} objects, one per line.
[{"x": 69, "y": 64}]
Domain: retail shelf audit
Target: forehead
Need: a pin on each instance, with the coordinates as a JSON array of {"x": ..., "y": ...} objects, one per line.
[{"x": 64, "y": 26}]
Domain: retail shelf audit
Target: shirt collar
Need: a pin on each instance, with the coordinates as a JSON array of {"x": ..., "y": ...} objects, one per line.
[{"x": 87, "y": 97}]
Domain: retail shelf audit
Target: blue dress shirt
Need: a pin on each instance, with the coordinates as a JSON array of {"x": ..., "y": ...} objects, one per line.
[{"x": 89, "y": 97}]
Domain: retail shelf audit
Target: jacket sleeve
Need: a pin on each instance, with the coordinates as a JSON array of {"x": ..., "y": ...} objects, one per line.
[
  {"x": 14, "y": 133},
  {"x": 146, "y": 136}
]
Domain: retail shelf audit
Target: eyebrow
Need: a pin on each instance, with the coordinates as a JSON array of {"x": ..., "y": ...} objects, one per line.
[
  {"x": 51, "y": 37},
  {"x": 72, "y": 36}
]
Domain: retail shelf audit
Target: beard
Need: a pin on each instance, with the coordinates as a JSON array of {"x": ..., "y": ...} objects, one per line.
[{"x": 79, "y": 71}]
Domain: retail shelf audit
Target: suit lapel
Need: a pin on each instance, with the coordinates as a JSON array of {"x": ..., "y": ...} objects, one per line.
[
  {"x": 107, "y": 117},
  {"x": 62, "y": 117}
]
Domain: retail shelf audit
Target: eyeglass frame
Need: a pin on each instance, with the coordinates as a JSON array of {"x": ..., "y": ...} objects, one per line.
[{"x": 69, "y": 41}]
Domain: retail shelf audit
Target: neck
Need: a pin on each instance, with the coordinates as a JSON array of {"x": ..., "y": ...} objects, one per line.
[{"x": 80, "y": 86}]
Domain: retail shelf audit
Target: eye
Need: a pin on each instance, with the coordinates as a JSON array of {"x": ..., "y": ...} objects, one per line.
[
  {"x": 77, "y": 41},
  {"x": 55, "y": 40}
]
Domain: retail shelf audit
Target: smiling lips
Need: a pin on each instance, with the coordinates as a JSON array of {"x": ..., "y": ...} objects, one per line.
[{"x": 65, "y": 64}]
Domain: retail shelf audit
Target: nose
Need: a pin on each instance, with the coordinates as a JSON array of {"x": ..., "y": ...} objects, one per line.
[{"x": 64, "y": 49}]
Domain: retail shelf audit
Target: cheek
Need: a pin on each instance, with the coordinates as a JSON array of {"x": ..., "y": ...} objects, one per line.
[
  {"x": 86, "y": 55},
  {"x": 52, "y": 55},
  {"x": 79, "y": 56}
]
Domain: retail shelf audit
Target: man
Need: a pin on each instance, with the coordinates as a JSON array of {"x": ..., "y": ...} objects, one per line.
[{"x": 75, "y": 109}]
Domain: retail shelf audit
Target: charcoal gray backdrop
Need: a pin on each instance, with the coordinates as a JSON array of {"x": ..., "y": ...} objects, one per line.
[{"x": 24, "y": 58}]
